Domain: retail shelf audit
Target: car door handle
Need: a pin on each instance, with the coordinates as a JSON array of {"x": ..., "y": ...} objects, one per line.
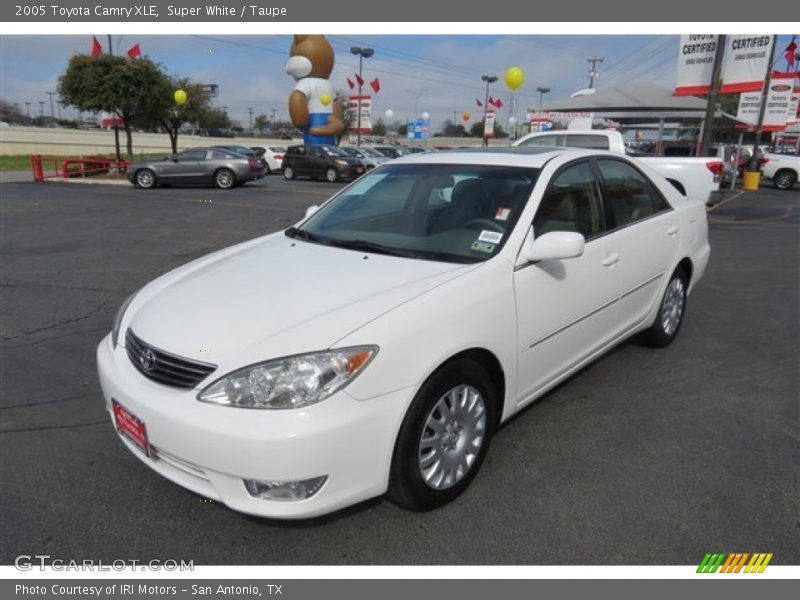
[
  {"x": 611, "y": 260},
  {"x": 672, "y": 231}
]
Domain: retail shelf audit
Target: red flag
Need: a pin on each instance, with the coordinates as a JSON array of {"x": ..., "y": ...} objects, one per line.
[
  {"x": 498, "y": 103},
  {"x": 376, "y": 85},
  {"x": 359, "y": 80},
  {"x": 350, "y": 83},
  {"x": 97, "y": 49},
  {"x": 789, "y": 53},
  {"x": 479, "y": 102},
  {"x": 135, "y": 51},
  {"x": 491, "y": 100}
]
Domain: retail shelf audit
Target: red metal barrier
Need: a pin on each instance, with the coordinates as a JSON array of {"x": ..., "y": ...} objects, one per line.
[{"x": 75, "y": 166}]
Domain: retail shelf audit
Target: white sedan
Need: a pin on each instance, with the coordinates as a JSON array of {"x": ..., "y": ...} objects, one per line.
[{"x": 377, "y": 345}]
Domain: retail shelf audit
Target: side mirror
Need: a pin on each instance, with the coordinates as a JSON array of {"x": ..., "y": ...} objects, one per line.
[
  {"x": 311, "y": 210},
  {"x": 554, "y": 245}
]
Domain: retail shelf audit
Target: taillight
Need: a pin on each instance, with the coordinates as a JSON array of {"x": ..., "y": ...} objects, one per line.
[
  {"x": 764, "y": 160},
  {"x": 254, "y": 163},
  {"x": 277, "y": 156},
  {"x": 715, "y": 167}
]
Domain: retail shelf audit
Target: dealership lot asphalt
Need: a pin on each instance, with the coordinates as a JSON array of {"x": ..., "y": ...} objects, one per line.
[{"x": 646, "y": 457}]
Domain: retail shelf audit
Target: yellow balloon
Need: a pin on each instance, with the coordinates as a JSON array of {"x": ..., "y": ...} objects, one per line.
[
  {"x": 325, "y": 99},
  {"x": 181, "y": 97},
  {"x": 515, "y": 77}
]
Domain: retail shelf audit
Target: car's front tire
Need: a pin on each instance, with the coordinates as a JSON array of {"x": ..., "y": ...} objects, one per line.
[
  {"x": 671, "y": 311},
  {"x": 785, "y": 179},
  {"x": 225, "y": 179},
  {"x": 332, "y": 175},
  {"x": 145, "y": 179},
  {"x": 288, "y": 173},
  {"x": 444, "y": 436}
]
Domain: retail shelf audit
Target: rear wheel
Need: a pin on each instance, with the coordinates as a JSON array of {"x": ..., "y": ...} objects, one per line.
[
  {"x": 145, "y": 179},
  {"x": 444, "y": 437},
  {"x": 288, "y": 173},
  {"x": 331, "y": 174},
  {"x": 670, "y": 314},
  {"x": 785, "y": 179},
  {"x": 224, "y": 179}
]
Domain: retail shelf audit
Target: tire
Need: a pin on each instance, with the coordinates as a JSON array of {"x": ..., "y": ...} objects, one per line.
[
  {"x": 784, "y": 179},
  {"x": 225, "y": 179},
  {"x": 288, "y": 173},
  {"x": 331, "y": 175},
  {"x": 422, "y": 474},
  {"x": 671, "y": 311},
  {"x": 145, "y": 179}
]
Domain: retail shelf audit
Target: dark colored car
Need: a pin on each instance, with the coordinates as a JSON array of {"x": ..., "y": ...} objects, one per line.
[
  {"x": 215, "y": 166},
  {"x": 215, "y": 132},
  {"x": 391, "y": 151},
  {"x": 245, "y": 151},
  {"x": 329, "y": 162}
]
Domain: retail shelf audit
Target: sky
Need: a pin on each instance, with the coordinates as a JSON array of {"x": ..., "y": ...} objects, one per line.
[{"x": 439, "y": 74}]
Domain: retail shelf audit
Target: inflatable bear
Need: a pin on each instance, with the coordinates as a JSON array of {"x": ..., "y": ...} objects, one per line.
[{"x": 313, "y": 107}]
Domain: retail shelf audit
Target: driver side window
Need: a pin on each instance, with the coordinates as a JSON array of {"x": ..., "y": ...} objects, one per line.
[{"x": 572, "y": 202}]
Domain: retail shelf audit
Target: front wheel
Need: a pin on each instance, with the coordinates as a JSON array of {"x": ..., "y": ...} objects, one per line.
[
  {"x": 332, "y": 175},
  {"x": 784, "y": 180},
  {"x": 670, "y": 314},
  {"x": 145, "y": 179},
  {"x": 288, "y": 173},
  {"x": 444, "y": 437},
  {"x": 225, "y": 179}
]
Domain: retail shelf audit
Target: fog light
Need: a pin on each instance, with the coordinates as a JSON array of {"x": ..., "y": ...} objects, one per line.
[{"x": 285, "y": 491}]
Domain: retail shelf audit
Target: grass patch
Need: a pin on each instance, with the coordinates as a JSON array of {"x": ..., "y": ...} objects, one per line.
[{"x": 15, "y": 162}]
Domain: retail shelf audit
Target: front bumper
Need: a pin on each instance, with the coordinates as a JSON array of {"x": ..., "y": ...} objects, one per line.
[{"x": 210, "y": 449}]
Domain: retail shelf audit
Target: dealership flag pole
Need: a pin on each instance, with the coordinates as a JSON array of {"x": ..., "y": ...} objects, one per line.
[{"x": 762, "y": 110}]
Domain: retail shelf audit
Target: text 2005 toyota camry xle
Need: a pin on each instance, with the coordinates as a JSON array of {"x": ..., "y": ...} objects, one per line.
[{"x": 375, "y": 347}]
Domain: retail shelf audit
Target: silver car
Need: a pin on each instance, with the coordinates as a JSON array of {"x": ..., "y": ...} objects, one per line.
[
  {"x": 371, "y": 158},
  {"x": 214, "y": 166}
]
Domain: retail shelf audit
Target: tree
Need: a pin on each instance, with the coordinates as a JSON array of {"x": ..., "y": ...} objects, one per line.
[
  {"x": 128, "y": 88},
  {"x": 11, "y": 113},
  {"x": 170, "y": 115},
  {"x": 379, "y": 128},
  {"x": 261, "y": 122}
]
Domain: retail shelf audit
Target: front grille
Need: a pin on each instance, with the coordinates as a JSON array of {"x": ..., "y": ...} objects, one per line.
[{"x": 163, "y": 367}]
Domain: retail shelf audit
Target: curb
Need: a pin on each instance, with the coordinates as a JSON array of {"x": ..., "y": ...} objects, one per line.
[{"x": 88, "y": 181}]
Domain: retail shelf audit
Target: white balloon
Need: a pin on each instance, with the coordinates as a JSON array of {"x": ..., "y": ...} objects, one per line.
[
  {"x": 512, "y": 120},
  {"x": 389, "y": 113},
  {"x": 426, "y": 116}
]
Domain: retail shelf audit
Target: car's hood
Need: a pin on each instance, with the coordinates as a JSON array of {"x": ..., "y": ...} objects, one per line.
[{"x": 275, "y": 296}]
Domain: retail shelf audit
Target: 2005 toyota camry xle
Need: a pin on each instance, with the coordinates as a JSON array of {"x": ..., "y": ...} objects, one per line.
[{"x": 377, "y": 345}]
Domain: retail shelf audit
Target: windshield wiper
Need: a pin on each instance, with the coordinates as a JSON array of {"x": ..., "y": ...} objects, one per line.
[
  {"x": 366, "y": 246},
  {"x": 301, "y": 233}
]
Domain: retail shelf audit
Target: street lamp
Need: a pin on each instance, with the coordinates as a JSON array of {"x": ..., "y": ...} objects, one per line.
[
  {"x": 250, "y": 111},
  {"x": 362, "y": 53},
  {"x": 542, "y": 91},
  {"x": 489, "y": 79}
]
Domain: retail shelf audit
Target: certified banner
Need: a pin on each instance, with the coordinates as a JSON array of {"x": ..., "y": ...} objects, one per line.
[
  {"x": 488, "y": 125},
  {"x": 744, "y": 66},
  {"x": 779, "y": 101},
  {"x": 366, "y": 113},
  {"x": 695, "y": 64}
]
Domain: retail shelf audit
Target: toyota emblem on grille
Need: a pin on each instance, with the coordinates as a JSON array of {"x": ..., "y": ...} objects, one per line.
[{"x": 147, "y": 359}]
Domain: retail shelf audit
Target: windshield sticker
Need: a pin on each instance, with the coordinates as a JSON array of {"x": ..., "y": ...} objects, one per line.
[
  {"x": 502, "y": 214},
  {"x": 483, "y": 247},
  {"x": 493, "y": 237}
]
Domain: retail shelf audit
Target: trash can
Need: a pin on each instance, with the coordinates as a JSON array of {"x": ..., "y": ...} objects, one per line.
[{"x": 751, "y": 180}]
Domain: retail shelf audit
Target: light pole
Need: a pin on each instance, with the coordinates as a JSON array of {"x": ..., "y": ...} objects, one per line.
[
  {"x": 542, "y": 91},
  {"x": 250, "y": 111},
  {"x": 28, "y": 110},
  {"x": 362, "y": 53},
  {"x": 52, "y": 112},
  {"x": 41, "y": 109},
  {"x": 489, "y": 79}
]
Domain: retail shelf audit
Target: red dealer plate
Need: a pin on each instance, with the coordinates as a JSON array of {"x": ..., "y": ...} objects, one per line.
[{"x": 131, "y": 426}]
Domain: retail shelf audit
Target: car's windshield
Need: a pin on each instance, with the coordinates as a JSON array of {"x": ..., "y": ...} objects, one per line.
[
  {"x": 349, "y": 151},
  {"x": 371, "y": 153},
  {"x": 453, "y": 213}
]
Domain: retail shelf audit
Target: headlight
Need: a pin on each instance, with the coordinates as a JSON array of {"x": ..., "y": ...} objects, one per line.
[
  {"x": 290, "y": 382},
  {"x": 118, "y": 318},
  {"x": 341, "y": 163}
]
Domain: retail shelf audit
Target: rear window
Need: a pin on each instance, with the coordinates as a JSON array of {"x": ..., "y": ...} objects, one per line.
[
  {"x": 296, "y": 150},
  {"x": 593, "y": 142}
]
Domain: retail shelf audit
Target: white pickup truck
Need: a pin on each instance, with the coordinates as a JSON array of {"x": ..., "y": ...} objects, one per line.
[
  {"x": 783, "y": 169},
  {"x": 696, "y": 178}
]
